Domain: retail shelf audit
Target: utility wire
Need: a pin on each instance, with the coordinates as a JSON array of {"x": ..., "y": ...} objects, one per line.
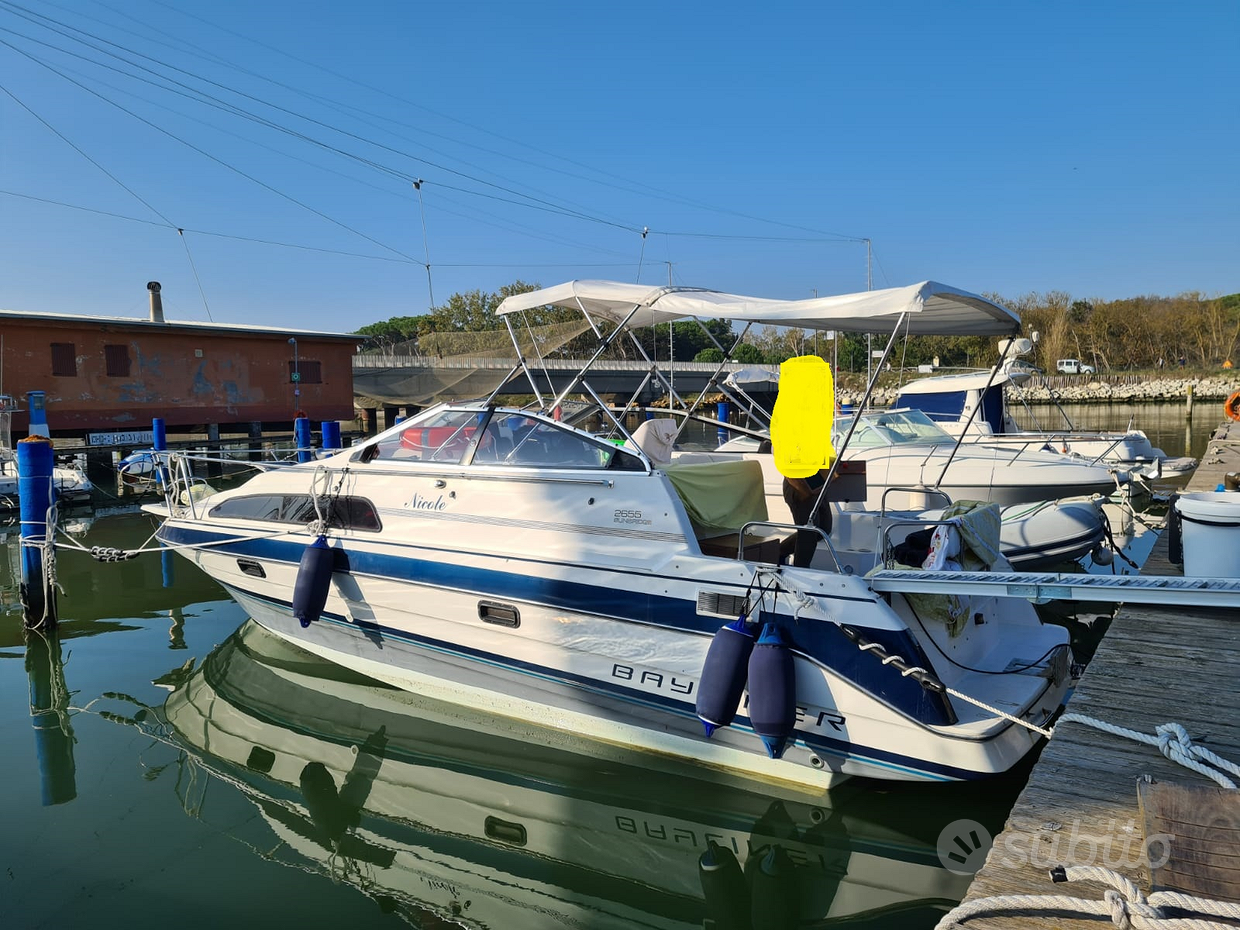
[
  {"x": 387, "y": 93},
  {"x": 197, "y": 96},
  {"x": 473, "y": 215},
  {"x": 309, "y": 248},
  {"x": 73, "y": 145},
  {"x": 194, "y": 268},
  {"x": 27, "y": 14},
  {"x": 208, "y": 155}
]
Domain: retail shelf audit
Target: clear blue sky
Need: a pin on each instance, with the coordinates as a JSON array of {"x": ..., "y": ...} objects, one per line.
[{"x": 1001, "y": 147}]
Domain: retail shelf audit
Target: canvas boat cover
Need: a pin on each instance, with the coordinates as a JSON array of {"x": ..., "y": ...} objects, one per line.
[{"x": 932, "y": 308}]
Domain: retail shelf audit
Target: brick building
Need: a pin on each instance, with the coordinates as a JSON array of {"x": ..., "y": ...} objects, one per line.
[{"x": 117, "y": 373}]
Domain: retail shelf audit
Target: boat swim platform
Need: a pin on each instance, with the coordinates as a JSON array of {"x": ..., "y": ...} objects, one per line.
[{"x": 1081, "y": 805}]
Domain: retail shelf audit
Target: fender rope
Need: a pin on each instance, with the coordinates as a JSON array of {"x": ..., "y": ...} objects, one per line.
[{"x": 1123, "y": 902}]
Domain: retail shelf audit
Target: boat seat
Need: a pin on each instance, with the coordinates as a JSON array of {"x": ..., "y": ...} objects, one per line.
[{"x": 655, "y": 438}]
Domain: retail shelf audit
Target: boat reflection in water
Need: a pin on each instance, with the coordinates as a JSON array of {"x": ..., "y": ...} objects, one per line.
[{"x": 481, "y": 822}]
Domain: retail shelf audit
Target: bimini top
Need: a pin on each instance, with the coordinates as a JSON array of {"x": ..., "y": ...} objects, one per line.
[{"x": 933, "y": 309}]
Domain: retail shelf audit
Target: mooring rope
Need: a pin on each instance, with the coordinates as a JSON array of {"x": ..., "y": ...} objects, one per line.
[
  {"x": 1123, "y": 902},
  {"x": 1171, "y": 739}
]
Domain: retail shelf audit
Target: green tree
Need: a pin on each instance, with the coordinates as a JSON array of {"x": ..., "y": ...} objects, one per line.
[{"x": 748, "y": 354}]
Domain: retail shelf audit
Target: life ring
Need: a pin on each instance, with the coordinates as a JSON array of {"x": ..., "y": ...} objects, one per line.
[{"x": 1231, "y": 406}]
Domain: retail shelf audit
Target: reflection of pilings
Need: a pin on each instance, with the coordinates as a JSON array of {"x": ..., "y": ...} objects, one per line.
[
  {"x": 176, "y": 632},
  {"x": 49, "y": 712}
]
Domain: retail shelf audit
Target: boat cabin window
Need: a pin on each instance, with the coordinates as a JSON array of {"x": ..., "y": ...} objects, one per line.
[
  {"x": 444, "y": 438},
  {"x": 512, "y": 439},
  {"x": 347, "y": 513}
]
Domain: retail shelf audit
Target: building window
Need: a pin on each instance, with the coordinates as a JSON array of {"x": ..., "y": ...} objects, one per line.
[
  {"x": 117, "y": 359},
  {"x": 64, "y": 360},
  {"x": 305, "y": 371}
]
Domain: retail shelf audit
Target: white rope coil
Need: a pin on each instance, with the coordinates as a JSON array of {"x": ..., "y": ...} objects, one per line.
[{"x": 1123, "y": 902}]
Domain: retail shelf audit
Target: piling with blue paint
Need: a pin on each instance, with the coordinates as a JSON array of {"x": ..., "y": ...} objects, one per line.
[
  {"x": 302, "y": 437},
  {"x": 36, "y": 493},
  {"x": 159, "y": 442},
  {"x": 331, "y": 435},
  {"x": 723, "y": 412}
]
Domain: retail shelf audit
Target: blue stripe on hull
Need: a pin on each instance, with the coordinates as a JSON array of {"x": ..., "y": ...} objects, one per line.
[
  {"x": 681, "y": 712},
  {"x": 822, "y": 642}
]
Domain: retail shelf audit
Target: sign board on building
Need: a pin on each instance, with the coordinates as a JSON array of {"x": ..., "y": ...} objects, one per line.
[{"x": 137, "y": 437}]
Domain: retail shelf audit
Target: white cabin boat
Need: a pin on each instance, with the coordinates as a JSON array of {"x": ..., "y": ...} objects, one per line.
[
  {"x": 520, "y": 564},
  {"x": 974, "y": 405}
]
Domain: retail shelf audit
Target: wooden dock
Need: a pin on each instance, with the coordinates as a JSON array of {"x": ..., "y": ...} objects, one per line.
[{"x": 1155, "y": 665}]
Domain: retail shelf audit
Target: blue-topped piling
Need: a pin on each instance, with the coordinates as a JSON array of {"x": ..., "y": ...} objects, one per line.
[
  {"x": 159, "y": 442},
  {"x": 36, "y": 494},
  {"x": 331, "y": 435},
  {"x": 303, "y": 439},
  {"x": 723, "y": 412}
]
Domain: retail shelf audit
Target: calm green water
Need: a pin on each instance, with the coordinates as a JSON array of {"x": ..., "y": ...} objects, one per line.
[{"x": 168, "y": 763}]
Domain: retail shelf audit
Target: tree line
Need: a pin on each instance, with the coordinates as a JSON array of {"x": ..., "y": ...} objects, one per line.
[{"x": 1145, "y": 332}]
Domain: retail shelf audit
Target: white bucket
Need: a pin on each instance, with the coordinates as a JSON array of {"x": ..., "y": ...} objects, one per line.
[{"x": 1211, "y": 533}]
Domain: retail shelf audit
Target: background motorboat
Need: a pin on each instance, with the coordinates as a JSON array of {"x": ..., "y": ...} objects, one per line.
[
  {"x": 72, "y": 485},
  {"x": 903, "y": 449},
  {"x": 974, "y": 404}
]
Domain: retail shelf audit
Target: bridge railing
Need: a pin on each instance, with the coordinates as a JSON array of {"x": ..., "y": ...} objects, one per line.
[{"x": 559, "y": 364}]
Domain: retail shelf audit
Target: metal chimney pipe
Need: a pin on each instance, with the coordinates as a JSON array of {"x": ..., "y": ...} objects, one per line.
[{"x": 157, "y": 303}]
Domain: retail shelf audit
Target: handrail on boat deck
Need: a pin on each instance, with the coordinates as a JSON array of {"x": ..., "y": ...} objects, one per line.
[
  {"x": 740, "y": 545},
  {"x": 882, "y": 504}
]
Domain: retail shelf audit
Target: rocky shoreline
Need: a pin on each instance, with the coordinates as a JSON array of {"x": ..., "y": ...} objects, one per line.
[{"x": 1090, "y": 390}]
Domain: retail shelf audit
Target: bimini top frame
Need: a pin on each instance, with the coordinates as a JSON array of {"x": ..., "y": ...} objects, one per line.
[{"x": 928, "y": 308}]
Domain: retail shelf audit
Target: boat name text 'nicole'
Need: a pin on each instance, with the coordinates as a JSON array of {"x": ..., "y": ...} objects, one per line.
[{"x": 425, "y": 503}]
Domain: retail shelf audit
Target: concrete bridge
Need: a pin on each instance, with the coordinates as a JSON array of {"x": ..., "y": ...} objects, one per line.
[{"x": 405, "y": 380}]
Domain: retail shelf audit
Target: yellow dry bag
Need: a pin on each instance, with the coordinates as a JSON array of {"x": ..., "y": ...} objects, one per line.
[{"x": 803, "y": 416}]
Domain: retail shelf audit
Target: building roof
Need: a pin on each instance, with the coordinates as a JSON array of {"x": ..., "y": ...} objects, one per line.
[{"x": 236, "y": 329}]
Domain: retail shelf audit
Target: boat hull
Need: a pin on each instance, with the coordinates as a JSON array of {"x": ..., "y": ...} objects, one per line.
[{"x": 633, "y": 687}]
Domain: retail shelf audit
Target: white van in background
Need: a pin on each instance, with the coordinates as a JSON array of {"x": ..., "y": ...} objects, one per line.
[{"x": 1074, "y": 366}]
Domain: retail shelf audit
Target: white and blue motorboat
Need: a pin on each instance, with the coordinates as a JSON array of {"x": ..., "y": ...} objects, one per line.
[
  {"x": 974, "y": 405},
  {"x": 548, "y": 568}
]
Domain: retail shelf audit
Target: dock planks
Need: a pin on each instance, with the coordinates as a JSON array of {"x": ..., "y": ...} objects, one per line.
[{"x": 1080, "y": 807}]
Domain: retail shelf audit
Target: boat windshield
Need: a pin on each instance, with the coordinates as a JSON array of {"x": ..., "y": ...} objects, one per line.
[
  {"x": 454, "y": 436},
  {"x": 892, "y": 428}
]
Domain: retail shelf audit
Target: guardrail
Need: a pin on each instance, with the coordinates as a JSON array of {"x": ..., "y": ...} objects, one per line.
[{"x": 565, "y": 364}]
